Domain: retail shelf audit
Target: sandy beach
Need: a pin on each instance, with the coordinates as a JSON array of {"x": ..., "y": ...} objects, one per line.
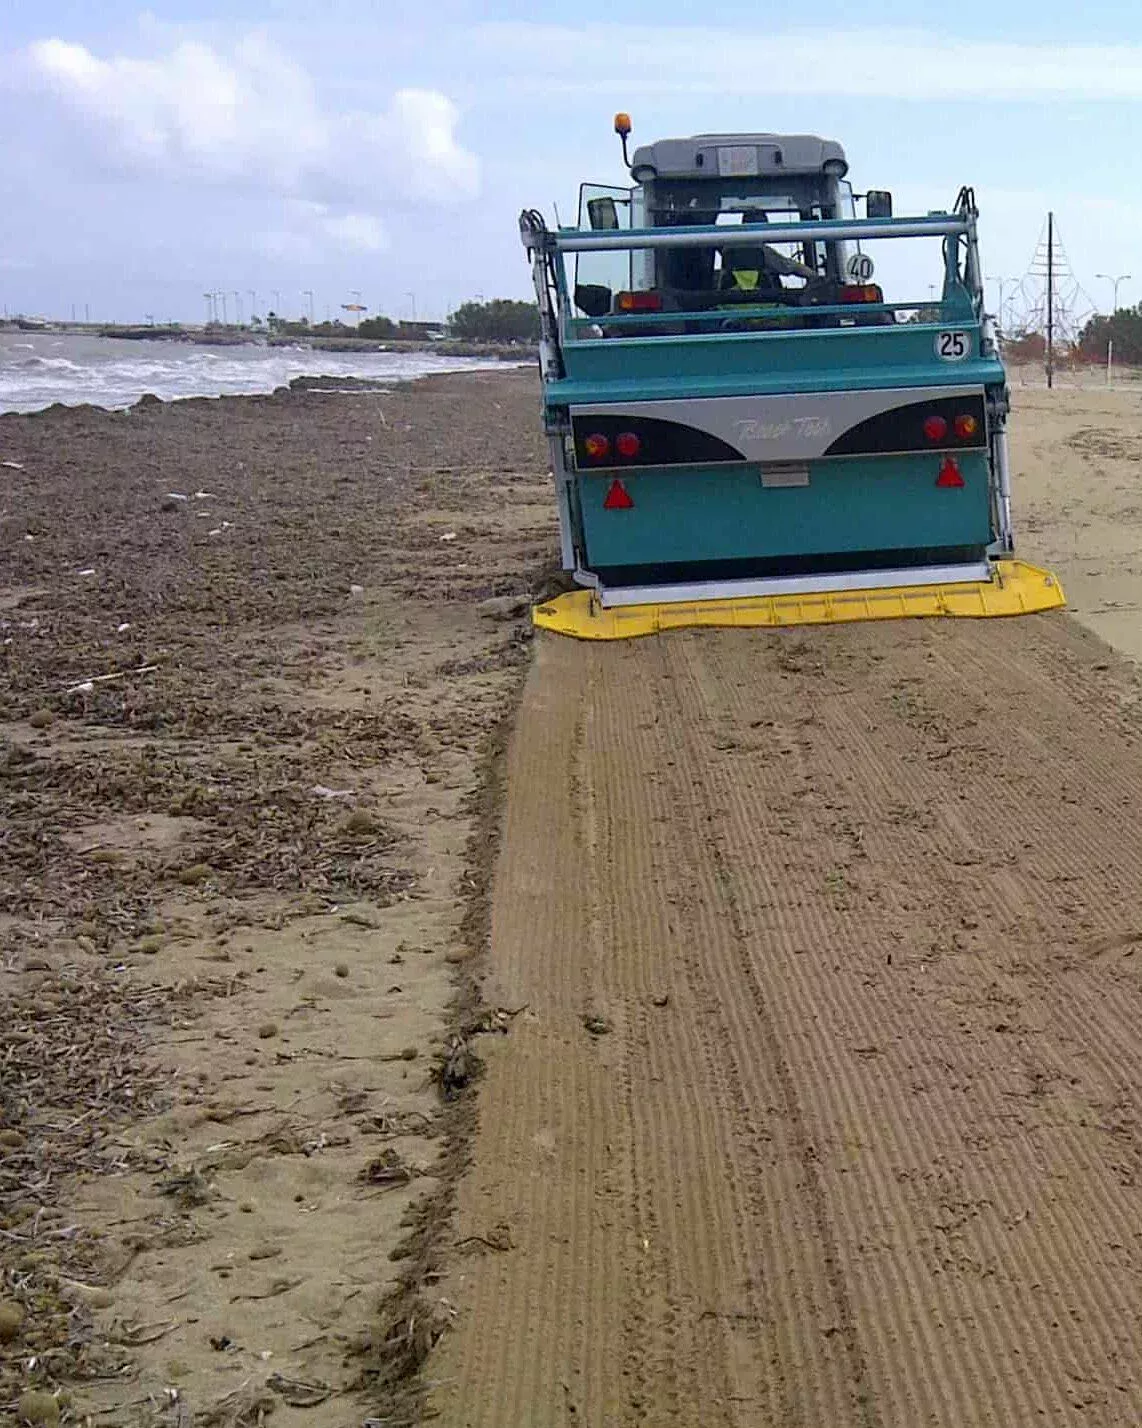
[
  {"x": 1075, "y": 456},
  {"x": 250, "y": 690},
  {"x": 259, "y": 659}
]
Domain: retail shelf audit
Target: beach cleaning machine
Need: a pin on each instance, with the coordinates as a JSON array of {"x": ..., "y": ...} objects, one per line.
[{"x": 742, "y": 430}]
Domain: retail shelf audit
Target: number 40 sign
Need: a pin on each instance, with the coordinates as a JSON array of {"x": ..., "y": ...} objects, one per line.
[{"x": 859, "y": 268}]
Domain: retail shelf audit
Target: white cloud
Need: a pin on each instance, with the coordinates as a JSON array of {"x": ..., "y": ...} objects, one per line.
[
  {"x": 252, "y": 119},
  {"x": 875, "y": 63},
  {"x": 418, "y": 132},
  {"x": 194, "y": 111},
  {"x": 308, "y": 229},
  {"x": 358, "y": 232}
]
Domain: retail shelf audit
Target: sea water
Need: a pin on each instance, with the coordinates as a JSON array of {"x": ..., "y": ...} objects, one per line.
[{"x": 39, "y": 368}]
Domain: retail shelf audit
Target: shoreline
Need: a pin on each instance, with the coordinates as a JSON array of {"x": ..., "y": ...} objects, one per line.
[
  {"x": 114, "y": 384},
  {"x": 233, "y": 337},
  {"x": 322, "y": 383}
]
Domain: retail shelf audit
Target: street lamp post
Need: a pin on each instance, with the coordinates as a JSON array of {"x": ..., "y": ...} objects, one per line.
[
  {"x": 999, "y": 282},
  {"x": 1106, "y": 278}
]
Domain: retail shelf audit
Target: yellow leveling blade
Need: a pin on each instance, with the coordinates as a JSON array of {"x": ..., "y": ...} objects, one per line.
[{"x": 1015, "y": 589}]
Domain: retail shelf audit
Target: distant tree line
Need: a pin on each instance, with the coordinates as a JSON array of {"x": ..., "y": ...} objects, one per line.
[
  {"x": 1025, "y": 347},
  {"x": 501, "y": 320},
  {"x": 376, "y": 327},
  {"x": 1124, "y": 328},
  {"x": 302, "y": 327}
]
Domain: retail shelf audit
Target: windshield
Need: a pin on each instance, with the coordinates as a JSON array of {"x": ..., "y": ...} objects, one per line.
[
  {"x": 751, "y": 271},
  {"x": 753, "y": 264}
]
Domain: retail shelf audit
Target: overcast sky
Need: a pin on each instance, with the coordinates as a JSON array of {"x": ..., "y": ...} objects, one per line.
[{"x": 386, "y": 148}]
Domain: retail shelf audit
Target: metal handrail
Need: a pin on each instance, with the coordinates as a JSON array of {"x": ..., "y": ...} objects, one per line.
[
  {"x": 578, "y": 240},
  {"x": 732, "y": 313}
]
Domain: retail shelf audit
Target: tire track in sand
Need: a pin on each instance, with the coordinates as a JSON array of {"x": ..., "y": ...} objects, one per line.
[
  {"x": 720, "y": 1287},
  {"x": 862, "y": 1143},
  {"x": 1034, "y": 1037},
  {"x": 685, "y": 668}
]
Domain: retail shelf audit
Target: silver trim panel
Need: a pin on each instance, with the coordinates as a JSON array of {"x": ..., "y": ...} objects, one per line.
[
  {"x": 616, "y": 595},
  {"x": 797, "y": 428}
]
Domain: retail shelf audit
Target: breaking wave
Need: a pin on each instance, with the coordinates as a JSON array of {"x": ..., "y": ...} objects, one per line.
[{"x": 112, "y": 373}]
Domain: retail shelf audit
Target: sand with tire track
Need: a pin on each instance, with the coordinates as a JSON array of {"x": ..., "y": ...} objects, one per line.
[
  {"x": 824, "y": 1104},
  {"x": 809, "y": 1005}
]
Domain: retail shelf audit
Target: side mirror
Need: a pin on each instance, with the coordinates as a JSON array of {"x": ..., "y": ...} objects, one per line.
[
  {"x": 878, "y": 203},
  {"x": 602, "y": 213}
]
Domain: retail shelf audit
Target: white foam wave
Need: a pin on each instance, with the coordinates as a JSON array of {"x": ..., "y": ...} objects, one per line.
[
  {"x": 115, "y": 374},
  {"x": 49, "y": 364}
]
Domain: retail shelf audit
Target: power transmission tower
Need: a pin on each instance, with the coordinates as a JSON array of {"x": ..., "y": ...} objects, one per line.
[{"x": 1049, "y": 299}]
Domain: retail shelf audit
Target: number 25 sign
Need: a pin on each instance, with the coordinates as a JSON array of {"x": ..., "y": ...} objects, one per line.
[{"x": 953, "y": 346}]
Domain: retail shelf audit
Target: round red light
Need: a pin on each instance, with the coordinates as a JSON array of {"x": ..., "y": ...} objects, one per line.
[
  {"x": 597, "y": 446},
  {"x": 935, "y": 428},
  {"x": 965, "y": 425},
  {"x": 627, "y": 444}
]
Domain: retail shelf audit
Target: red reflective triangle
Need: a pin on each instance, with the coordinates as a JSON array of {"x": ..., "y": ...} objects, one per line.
[
  {"x": 618, "y": 497},
  {"x": 949, "y": 474}
]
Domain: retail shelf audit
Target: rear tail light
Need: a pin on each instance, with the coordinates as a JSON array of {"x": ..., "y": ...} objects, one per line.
[
  {"x": 627, "y": 445},
  {"x": 935, "y": 427},
  {"x": 965, "y": 425},
  {"x": 861, "y": 292},
  {"x": 597, "y": 446},
  {"x": 949, "y": 477},
  {"x": 639, "y": 302}
]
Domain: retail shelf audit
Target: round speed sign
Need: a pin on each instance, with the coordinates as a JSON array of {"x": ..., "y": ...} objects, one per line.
[{"x": 859, "y": 268}]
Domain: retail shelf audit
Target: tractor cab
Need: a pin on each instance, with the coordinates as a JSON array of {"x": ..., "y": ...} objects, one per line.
[{"x": 749, "y": 185}]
